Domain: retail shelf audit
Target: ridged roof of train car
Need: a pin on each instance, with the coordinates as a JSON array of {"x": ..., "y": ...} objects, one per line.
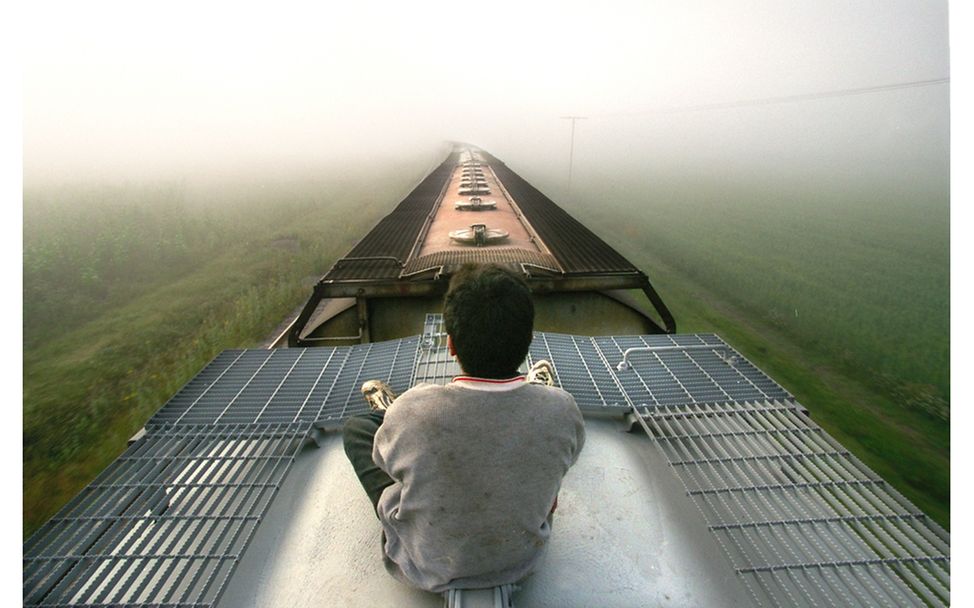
[
  {"x": 395, "y": 234},
  {"x": 576, "y": 248},
  {"x": 385, "y": 249}
]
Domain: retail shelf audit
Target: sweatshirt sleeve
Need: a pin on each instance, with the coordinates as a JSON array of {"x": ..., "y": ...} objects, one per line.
[
  {"x": 397, "y": 441},
  {"x": 579, "y": 429},
  {"x": 385, "y": 444}
]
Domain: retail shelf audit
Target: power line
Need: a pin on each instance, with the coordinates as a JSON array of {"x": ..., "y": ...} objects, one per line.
[
  {"x": 765, "y": 101},
  {"x": 571, "y": 151}
]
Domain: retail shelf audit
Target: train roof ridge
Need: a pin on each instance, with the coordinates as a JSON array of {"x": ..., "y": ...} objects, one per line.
[{"x": 397, "y": 247}]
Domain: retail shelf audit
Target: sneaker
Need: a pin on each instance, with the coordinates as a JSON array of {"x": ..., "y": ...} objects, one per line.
[
  {"x": 542, "y": 372},
  {"x": 378, "y": 395}
]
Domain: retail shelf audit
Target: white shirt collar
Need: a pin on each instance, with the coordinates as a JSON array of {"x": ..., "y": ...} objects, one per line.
[{"x": 489, "y": 384}]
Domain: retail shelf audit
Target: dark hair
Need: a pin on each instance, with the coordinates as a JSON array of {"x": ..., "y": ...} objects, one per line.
[{"x": 489, "y": 314}]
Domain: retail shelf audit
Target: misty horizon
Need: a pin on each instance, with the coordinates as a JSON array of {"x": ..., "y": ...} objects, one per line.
[{"x": 114, "y": 93}]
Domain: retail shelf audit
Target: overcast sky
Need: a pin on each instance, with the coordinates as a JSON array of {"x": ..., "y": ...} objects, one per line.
[{"x": 115, "y": 90}]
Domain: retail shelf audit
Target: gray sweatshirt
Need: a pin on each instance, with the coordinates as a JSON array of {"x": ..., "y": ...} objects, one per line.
[{"x": 477, "y": 466}]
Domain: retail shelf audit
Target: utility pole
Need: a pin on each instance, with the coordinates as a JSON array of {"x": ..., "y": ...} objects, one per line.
[{"x": 571, "y": 151}]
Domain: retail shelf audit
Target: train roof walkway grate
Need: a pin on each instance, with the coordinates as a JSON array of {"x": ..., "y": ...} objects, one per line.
[
  {"x": 672, "y": 370},
  {"x": 801, "y": 520},
  {"x": 166, "y": 523},
  {"x": 288, "y": 385}
]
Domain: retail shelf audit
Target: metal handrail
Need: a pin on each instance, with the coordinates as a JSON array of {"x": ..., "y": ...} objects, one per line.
[
  {"x": 371, "y": 258},
  {"x": 624, "y": 364}
]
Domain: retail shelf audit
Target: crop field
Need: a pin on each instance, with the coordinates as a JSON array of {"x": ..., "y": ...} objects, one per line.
[
  {"x": 869, "y": 282},
  {"x": 130, "y": 289},
  {"x": 843, "y": 300}
]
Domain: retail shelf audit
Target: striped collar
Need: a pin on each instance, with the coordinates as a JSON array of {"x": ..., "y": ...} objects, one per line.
[{"x": 489, "y": 384}]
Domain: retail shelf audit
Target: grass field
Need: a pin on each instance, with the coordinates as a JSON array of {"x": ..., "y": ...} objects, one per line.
[
  {"x": 129, "y": 290},
  {"x": 845, "y": 301}
]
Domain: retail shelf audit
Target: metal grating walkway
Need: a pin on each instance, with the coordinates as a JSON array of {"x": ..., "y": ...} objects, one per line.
[
  {"x": 684, "y": 369},
  {"x": 166, "y": 522},
  {"x": 288, "y": 385},
  {"x": 680, "y": 369},
  {"x": 802, "y": 520}
]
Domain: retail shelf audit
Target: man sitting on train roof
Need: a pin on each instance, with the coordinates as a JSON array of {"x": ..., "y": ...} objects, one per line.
[{"x": 465, "y": 477}]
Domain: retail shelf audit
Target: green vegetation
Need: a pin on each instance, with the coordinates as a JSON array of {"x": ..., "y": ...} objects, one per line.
[
  {"x": 844, "y": 302},
  {"x": 129, "y": 290}
]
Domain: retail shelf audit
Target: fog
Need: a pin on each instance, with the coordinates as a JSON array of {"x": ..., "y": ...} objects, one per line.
[
  {"x": 778, "y": 154},
  {"x": 116, "y": 91}
]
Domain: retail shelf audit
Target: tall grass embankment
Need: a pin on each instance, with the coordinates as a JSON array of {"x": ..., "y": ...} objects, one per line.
[
  {"x": 129, "y": 290},
  {"x": 841, "y": 296}
]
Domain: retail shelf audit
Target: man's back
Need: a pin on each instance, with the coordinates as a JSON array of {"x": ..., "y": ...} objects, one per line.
[{"x": 477, "y": 466}]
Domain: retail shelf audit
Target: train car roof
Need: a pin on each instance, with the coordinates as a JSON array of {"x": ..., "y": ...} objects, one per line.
[
  {"x": 412, "y": 251},
  {"x": 398, "y": 247},
  {"x": 728, "y": 494}
]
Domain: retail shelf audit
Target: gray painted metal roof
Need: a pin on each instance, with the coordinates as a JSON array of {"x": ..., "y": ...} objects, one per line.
[{"x": 801, "y": 520}]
